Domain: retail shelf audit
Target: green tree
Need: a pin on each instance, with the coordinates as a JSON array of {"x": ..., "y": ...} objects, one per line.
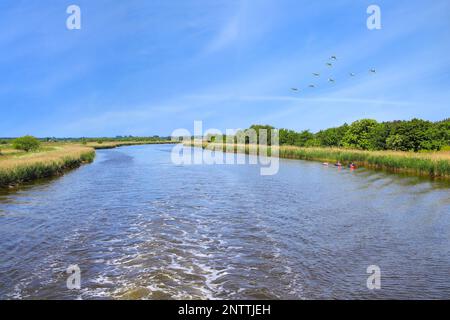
[
  {"x": 379, "y": 136},
  {"x": 443, "y": 132},
  {"x": 394, "y": 142},
  {"x": 303, "y": 138},
  {"x": 258, "y": 127},
  {"x": 292, "y": 138},
  {"x": 26, "y": 143},
  {"x": 287, "y": 137},
  {"x": 368, "y": 134},
  {"x": 332, "y": 137},
  {"x": 415, "y": 135},
  {"x": 361, "y": 135}
]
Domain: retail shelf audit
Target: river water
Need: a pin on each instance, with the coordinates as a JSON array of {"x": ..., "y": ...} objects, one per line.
[{"x": 140, "y": 227}]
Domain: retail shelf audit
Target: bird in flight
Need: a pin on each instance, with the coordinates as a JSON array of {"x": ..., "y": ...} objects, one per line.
[
  {"x": 312, "y": 86},
  {"x": 316, "y": 74},
  {"x": 331, "y": 80},
  {"x": 329, "y": 64},
  {"x": 294, "y": 89},
  {"x": 373, "y": 70},
  {"x": 333, "y": 58},
  {"x": 352, "y": 74}
]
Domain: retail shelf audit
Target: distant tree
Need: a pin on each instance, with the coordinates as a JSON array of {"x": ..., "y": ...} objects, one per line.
[
  {"x": 258, "y": 128},
  {"x": 367, "y": 134},
  {"x": 361, "y": 135},
  {"x": 26, "y": 143},
  {"x": 415, "y": 135},
  {"x": 303, "y": 138},
  {"x": 443, "y": 132},
  {"x": 332, "y": 137},
  {"x": 379, "y": 136},
  {"x": 394, "y": 142},
  {"x": 293, "y": 138},
  {"x": 287, "y": 137}
]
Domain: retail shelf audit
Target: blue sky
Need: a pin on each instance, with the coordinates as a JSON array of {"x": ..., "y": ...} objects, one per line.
[{"x": 145, "y": 67}]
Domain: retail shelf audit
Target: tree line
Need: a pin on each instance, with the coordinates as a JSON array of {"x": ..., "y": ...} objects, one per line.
[{"x": 368, "y": 134}]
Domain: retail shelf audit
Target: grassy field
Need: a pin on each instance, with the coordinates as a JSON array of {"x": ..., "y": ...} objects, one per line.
[
  {"x": 432, "y": 164},
  {"x": 17, "y": 167},
  {"x": 52, "y": 159}
]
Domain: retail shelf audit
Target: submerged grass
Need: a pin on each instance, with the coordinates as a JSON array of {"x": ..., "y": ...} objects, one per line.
[
  {"x": 17, "y": 168},
  {"x": 433, "y": 164}
]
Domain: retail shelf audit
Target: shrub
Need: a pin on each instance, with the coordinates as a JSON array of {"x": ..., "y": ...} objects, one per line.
[{"x": 26, "y": 143}]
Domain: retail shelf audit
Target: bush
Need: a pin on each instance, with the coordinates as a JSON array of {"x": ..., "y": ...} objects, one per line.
[{"x": 26, "y": 143}]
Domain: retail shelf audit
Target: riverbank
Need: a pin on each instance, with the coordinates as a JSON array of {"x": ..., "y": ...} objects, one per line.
[
  {"x": 18, "y": 167},
  {"x": 432, "y": 164},
  {"x": 52, "y": 159}
]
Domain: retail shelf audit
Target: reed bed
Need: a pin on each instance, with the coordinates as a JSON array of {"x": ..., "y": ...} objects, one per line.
[
  {"x": 433, "y": 164},
  {"x": 19, "y": 168},
  {"x": 53, "y": 159}
]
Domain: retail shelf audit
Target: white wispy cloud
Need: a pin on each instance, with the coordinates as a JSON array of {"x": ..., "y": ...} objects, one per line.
[{"x": 226, "y": 36}]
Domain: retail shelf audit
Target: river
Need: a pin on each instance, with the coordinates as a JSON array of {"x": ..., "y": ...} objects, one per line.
[{"x": 140, "y": 227}]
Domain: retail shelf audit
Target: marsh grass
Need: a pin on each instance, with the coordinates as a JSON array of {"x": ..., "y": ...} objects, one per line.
[
  {"x": 433, "y": 164},
  {"x": 50, "y": 160}
]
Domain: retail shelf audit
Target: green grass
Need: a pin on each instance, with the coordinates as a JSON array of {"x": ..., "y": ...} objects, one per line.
[
  {"x": 33, "y": 170},
  {"x": 428, "y": 164},
  {"x": 432, "y": 164},
  {"x": 52, "y": 159}
]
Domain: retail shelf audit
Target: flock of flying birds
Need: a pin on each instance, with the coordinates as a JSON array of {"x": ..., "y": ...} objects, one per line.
[{"x": 332, "y": 80}]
